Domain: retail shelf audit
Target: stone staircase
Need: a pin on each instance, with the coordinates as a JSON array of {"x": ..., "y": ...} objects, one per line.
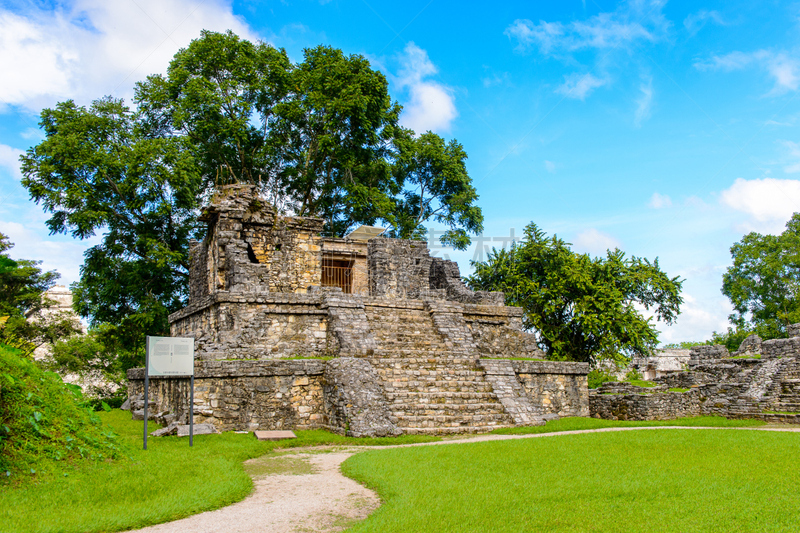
[
  {"x": 407, "y": 329},
  {"x": 784, "y": 394},
  {"x": 500, "y": 374},
  {"x": 441, "y": 394}
]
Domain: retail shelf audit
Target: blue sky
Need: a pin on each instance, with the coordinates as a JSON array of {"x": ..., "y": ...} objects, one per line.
[{"x": 668, "y": 130}]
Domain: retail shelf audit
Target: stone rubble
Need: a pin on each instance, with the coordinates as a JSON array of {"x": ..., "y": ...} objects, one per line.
[{"x": 760, "y": 380}]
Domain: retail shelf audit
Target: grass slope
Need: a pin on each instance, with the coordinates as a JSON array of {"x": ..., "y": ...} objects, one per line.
[
  {"x": 44, "y": 427},
  {"x": 678, "y": 480}
]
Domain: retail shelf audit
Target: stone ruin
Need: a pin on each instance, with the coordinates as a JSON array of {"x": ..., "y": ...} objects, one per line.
[
  {"x": 362, "y": 335},
  {"x": 760, "y": 380}
]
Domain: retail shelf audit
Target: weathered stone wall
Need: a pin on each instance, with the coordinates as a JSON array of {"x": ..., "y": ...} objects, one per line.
[
  {"x": 766, "y": 388},
  {"x": 616, "y": 401},
  {"x": 289, "y": 255},
  {"x": 661, "y": 363},
  {"x": 497, "y": 332},
  {"x": 256, "y": 326},
  {"x": 557, "y": 387},
  {"x": 243, "y": 395},
  {"x": 398, "y": 268},
  {"x": 444, "y": 274}
]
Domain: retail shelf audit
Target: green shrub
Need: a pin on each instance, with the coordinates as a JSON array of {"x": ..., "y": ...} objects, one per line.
[
  {"x": 633, "y": 375},
  {"x": 43, "y": 421},
  {"x": 598, "y": 376}
]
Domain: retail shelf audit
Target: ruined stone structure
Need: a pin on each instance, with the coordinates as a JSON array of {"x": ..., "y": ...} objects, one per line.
[
  {"x": 368, "y": 336},
  {"x": 760, "y": 380}
]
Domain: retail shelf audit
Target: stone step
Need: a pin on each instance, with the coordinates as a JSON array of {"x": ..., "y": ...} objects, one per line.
[
  {"x": 452, "y": 421},
  {"x": 452, "y": 430},
  {"x": 411, "y": 407},
  {"x": 443, "y": 353},
  {"x": 454, "y": 395},
  {"x": 439, "y": 386}
]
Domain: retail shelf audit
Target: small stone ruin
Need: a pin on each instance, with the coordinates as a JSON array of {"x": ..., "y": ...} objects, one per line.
[
  {"x": 760, "y": 380},
  {"x": 362, "y": 335}
]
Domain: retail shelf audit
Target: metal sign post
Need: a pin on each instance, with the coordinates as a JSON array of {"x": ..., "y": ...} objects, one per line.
[{"x": 169, "y": 357}]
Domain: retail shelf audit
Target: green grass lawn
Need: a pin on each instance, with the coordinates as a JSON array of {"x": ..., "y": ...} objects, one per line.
[
  {"x": 577, "y": 423},
  {"x": 168, "y": 481},
  {"x": 171, "y": 480},
  {"x": 679, "y": 480}
]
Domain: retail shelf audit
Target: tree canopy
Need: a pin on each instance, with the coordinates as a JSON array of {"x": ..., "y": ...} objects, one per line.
[
  {"x": 581, "y": 308},
  {"x": 763, "y": 283},
  {"x": 320, "y": 138},
  {"x": 22, "y": 300}
]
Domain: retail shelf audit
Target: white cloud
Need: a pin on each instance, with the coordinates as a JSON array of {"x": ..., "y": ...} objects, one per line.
[
  {"x": 633, "y": 22},
  {"x": 782, "y": 68},
  {"x": 431, "y": 105},
  {"x": 550, "y": 166},
  {"x": 61, "y": 254},
  {"x": 696, "y": 21},
  {"x": 95, "y": 47},
  {"x": 579, "y": 86},
  {"x": 9, "y": 159},
  {"x": 644, "y": 102},
  {"x": 659, "y": 201},
  {"x": 698, "y": 319},
  {"x": 769, "y": 202},
  {"x": 595, "y": 242}
]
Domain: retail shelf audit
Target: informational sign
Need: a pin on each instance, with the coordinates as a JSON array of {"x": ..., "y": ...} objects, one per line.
[{"x": 170, "y": 356}]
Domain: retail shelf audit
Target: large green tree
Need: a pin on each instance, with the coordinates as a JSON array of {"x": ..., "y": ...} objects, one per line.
[
  {"x": 581, "y": 308},
  {"x": 320, "y": 138},
  {"x": 763, "y": 283},
  {"x": 98, "y": 171}
]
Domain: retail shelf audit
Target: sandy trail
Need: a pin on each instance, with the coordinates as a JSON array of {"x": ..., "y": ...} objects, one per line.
[
  {"x": 321, "y": 501},
  {"x": 324, "y": 500}
]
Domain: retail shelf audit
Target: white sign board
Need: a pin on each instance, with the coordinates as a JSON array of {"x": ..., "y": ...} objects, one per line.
[{"x": 170, "y": 356}]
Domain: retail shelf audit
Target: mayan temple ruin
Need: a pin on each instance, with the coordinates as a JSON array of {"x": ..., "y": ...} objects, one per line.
[{"x": 363, "y": 335}]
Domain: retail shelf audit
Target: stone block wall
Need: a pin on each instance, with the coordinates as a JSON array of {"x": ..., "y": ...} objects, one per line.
[
  {"x": 557, "y": 387},
  {"x": 256, "y": 326},
  {"x": 243, "y": 395},
  {"x": 613, "y": 402},
  {"x": 398, "y": 268}
]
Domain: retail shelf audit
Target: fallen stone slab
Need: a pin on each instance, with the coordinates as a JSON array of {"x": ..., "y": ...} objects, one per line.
[
  {"x": 274, "y": 435},
  {"x": 169, "y": 430},
  {"x": 138, "y": 414},
  {"x": 199, "y": 429}
]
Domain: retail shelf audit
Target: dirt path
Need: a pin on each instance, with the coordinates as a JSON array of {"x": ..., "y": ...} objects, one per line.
[{"x": 306, "y": 492}]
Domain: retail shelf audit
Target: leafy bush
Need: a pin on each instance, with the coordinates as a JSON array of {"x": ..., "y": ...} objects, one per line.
[
  {"x": 733, "y": 338},
  {"x": 598, "y": 376},
  {"x": 686, "y": 345},
  {"x": 633, "y": 375},
  {"x": 44, "y": 421}
]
